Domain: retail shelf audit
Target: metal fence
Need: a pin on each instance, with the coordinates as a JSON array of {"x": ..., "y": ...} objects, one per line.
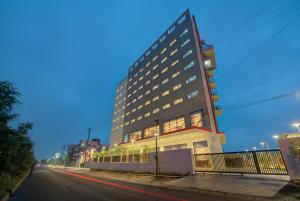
[
  {"x": 130, "y": 158},
  {"x": 251, "y": 162}
]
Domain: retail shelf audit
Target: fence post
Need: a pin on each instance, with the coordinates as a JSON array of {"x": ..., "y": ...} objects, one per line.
[{"x": 256, "y": 162}]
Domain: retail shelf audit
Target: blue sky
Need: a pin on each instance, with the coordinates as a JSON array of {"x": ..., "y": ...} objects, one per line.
[{"x": 66, "y": 58}]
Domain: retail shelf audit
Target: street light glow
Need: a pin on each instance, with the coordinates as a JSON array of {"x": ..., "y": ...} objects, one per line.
[
  {"x": 262, "y": 143},
  {"x": 297, "y": 125},
  {"x": 275, "y": 136},
  {"x": 254, "y": 148}
]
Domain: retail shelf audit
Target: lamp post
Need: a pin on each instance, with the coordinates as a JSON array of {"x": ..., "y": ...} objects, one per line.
[
  {"x": 297, "y": 125},
  {"x": 156, "y": 123}
]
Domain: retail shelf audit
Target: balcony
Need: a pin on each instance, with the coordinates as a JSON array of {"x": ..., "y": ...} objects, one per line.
[
  {"x": 218, "y": 110},
  {"x": 212, "y": 84},
  {"x": 210, "y": 73},
  {"x": 214, "y": 96}
]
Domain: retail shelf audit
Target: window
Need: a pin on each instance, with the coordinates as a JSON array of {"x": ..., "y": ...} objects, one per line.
[
  {"x": 185, "y": 42},
  {"x": 122, "y": 125},
  {"x": 173, "y": 41},
  {"x": 165, "y": 93},
  {"x": 155, "y": 87},
  {"x": 132, "y": 121},
  {"x": 177, "y": 101},
  {"x": 155, "y": 110},
  {"x": 130, "y": 87},
  {"x": 189, "y": 65},
  {"x": 165, "y": 81},
  {"x": 187, "y": 54},
  {"x": 148, "y": 64},
  {"x": 155, "y": 67},
  {"x": 140, "y": 96},
  {"x": 183, "y": 33},
  {"x": 154, "y": 58},
  {"x": 176, "y": 74},
  {"x": 197, "y": 119},
  {"x": 191, "y": 79},
  {"x": 127, "y": 123},
  {"x": 147, "y": 114},
  {"x": 125, "y": 138},
  {"x": 150, "y": 131},
  {"x": 147, "y": 92},
  {"x": 140, "y": 87},
  {"x": 155, "y": 98},
  {"x": 164, "y": 70},
  {"x": 134, "y": 91},
  {"x": 139, "y": 118},
  {"x": 148, "y": 72},
  {"x": 207, "y": 63},
  {"x": 166, "y": 106},
  {"x": 173, "y": 52},
  {"x": 142, "y": 59},
  {"x": 174, "y": 124},
  {"x": 162, "y": 38},
  {"x": 128, "y": 113},
  {"x": 130, "y": 79},
  {"x": 154, "y": 46},
  {"x": 135, "y": 75},
  {"x": 147, "y": 103},
  {"x": 135, "y": 83},
  {"x": 164, "y": 59},
  {"x": 141, "y": 78},
  {"x": 176, "y": 87},
  {"x": 174, "y": 63},
  {"x": 181, "y": 20},
  {"x": 165, "y": 49},
  {"x": 134, "y": 100},
  {"x": 133, "y": 110},
  {"x": 137, "y": 135},
  {"x": 141, "y": 70},
  {"x": 148, "y": 82},
  {"x": 171, "y": 29},
  {"x": 175, "y": 147},
  {"x": 155, "y": 76},
  {"x": 193, "y": 94},
  {"x": 140, "y": 107}
]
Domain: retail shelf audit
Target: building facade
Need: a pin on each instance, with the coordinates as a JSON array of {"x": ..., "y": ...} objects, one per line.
[{"x": 170, "y": 93}]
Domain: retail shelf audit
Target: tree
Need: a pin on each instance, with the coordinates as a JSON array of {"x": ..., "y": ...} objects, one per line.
[{"x": 16, "y": 155}]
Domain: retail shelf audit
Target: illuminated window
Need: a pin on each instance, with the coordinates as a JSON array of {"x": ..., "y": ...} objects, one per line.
[
  {"x": 114, "y": 120},
  {"x": 165, "y": 93},
  {"x": 165, "y": 81},
  {"x": 128, "y": 113},
  {"x": 123, "y": 116},
  {"x": 155, "y": 76},
  {"x": 155, "y": 67},
  {"x": 141, "y": 78},
  {"x": 148, "y": 82},
  {"x": 176, "y": 87},
  {"x": 187, "y": 54},
  {"x": 134, "y": 91},
  {"x": 173, "y": 41},
  {"x": 128, "y": 104},
  {"x": 132, "y": 121},
  {"x": 207, "y": 63},
  {"x": 165, "y": 49},
  {"x": 140, "y": 107},
  {"x": 140, "y": 96},
  {"x": 132, "y": 111},
  {"x": 185, "y": 42},
  {"x": 197, "y": 119},
  {"x": 139, "y": 118},
  {"x": 148, "y": 64},
  {"x": 147, "y": 103},
  {"x": 122, "y": 125},
  {"x": 147, "y": 114},
  {"x": 155, "y": 87},
  {"x": 164, "y": 70},
  {"x": 191, "y": 79},
  {"x": 190, "y": 65},
  {"x": 155, "y": 98},
  {"x": 147, "y": 92},
  {"x": 123, "y": 107},
  {"x": 155, "y": 58},
  {"x": 140, "y": 87},
  {"x": 176, "y": 74},
  {"x": 148, "y": 72},
  {"x": 134, "y": 100},
  {"x": 174, "y": 125},
  {"x": 155, "y": 110},
  {"x": 184, "y": 32},
  {"x": 166, "y": 106},
  {"x": 137, "y": 135},
  {"x": 141, "y": 70},
  {"x": 135, "y": 83},
  {"x": 175, "y": 62},
  {"x": 127, "y": 123},
  {"x": 130, "y": 79},
  {"x": 193, "y": 94},
  {"x": 135, "y": 75},
  {"x": 150, "y": 131},
  {"x": 177, "y": 101},
  {"x": 173, "y": 52},
  {"x": 130, "y": 87},
  {"x": 164, "y": 59}
]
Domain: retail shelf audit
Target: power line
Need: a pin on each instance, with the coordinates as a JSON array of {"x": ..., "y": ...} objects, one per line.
[
  {"x": 261, "y": 101},
  {"x": 258, "y": 47}
]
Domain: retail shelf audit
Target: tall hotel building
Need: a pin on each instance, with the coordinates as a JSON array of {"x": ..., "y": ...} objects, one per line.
[{"x": 170, "y": 92}]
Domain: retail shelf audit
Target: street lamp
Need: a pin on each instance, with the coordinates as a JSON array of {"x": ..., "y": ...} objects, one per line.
[
  {"x": 254, "y": 148},
  {"x": 275, "y": 137},
  {"x": 156, "y": 123},
  {"x": 297, "y": 125}
]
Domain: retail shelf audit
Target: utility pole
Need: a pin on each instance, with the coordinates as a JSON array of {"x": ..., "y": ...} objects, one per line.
[{"x": 87, "y": 143}]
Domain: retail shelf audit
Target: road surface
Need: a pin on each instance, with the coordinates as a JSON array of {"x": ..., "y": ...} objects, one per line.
[{"x": 47, "y": 184}]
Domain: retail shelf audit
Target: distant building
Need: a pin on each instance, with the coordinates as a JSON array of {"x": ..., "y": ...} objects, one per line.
[{"x": 170, "y": 91}]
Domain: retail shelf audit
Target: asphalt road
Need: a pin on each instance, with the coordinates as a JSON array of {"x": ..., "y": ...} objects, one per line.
[{"x": 52, "y": 185}]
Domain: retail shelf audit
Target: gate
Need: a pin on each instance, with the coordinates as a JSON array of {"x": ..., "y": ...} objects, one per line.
[{"x": 247, "y": 162}]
